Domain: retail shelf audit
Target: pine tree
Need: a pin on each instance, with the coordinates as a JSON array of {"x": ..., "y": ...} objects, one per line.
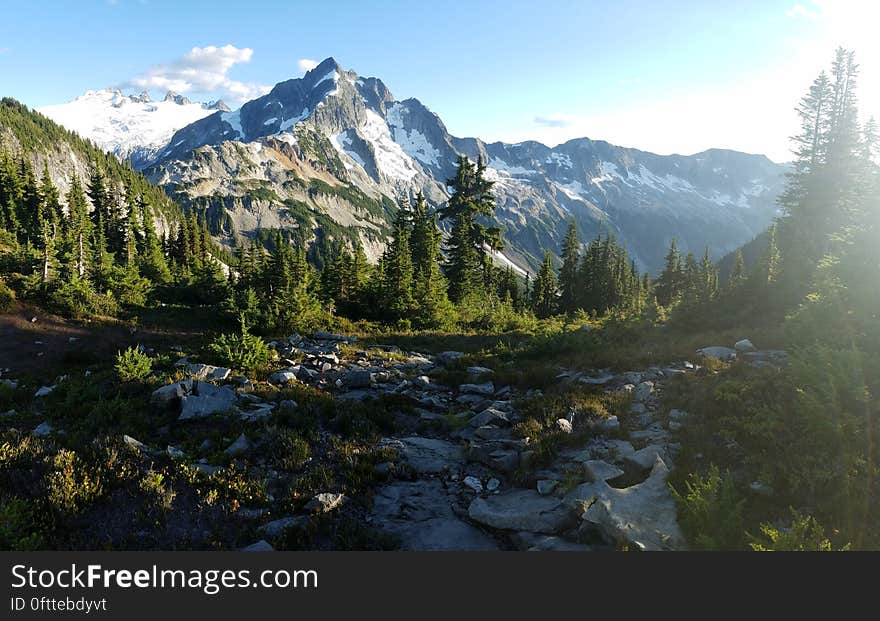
[
  {"x": 568, "y": 273},
  {"x": 469, "y": 265},
  {"x": 738, "y": 274},
  {"x": 397, "y": 277},
  {"x": 432, "y": 306},
  {"x": 669, "y": 284},
  {"x": 78, "y": 230},
  {"x": 545, "y": 293}
]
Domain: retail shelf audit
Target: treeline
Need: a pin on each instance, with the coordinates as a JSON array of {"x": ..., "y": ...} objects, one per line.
[{"x": 96, "y": 250}]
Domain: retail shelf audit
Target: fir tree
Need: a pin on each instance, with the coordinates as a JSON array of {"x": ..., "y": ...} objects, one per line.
[{"x": 568, "y": 273}]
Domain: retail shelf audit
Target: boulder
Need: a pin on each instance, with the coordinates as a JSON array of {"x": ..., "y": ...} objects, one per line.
[
  {"x": 563, "y": 425},
  {"x": 599, "y": 380},
  {"x": 744, "y": 345},
  {"x": 486, "y": 389},
  {"x": 206, "y": 400},
  {"x": 476, "y": 372},
  {"x": 677, "y": 415},
  {"x": 43, "y": 391},
  {"x": 42, "y": 430},
  {"x": 598, "y": 470},
  {"x": 170, "y": 395},
  {"x": 473, "y": 483},
  {"x": 285, "y": 376},
  {"x": 11, "y": 384},
  {"x": 642, "y": 515},
  {"x": 261, "y": 546},
  {"x": 321, "y": 335},
  {"x": 492, "y": 484},
  {"x": 643, "y": 391},
  {"x": 358, "y": 379},
  {"x": 522, "y": 509},
  {"x": 721, "y": 353},
  {"x": 137, "y": 445},
  {"x": 533, "y": 542},
  {"x": 448, "y": 357},
  {"x": 490, "y": 416},
  {"x": 325, "y": 502},
  {"x": 207, "y": 372},
  {"x": 643, "y": 460},
  {"x": 545, "y": 487},
  {"x": 174, "y": 453},
  {"x": 241, "y": 446},
  {"x": 276, "y": 528}
]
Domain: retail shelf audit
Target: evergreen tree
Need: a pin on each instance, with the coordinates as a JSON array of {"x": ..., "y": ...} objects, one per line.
[
  {"x": 669, "y": 285},
  {"x": 468, "y": 262},
  {"x": 545, "y": 292},
  {"x": 568, "y": 273},
  {"x": 397, "y": 276}
]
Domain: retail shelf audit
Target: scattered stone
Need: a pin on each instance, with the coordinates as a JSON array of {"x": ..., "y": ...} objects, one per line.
[
  {"x": 721, "y": 353},
  {"x": 174, "y": 453},
  {"x": 207, "y": 468},
  {"x": 493, "y": 484},
  {"x": 284, "y": 377},
  {"x": 744, "y": 346},
  {"x": 448, "y": 357},
  {"x": 563, "y": 425},
  {"x": 42, "y": 430},
  {"x": 135, "y": 444},
  {"x": 522, "y": 509},
  {"x": 643, "y": 460},
  {"x": 208, "y": 373},
  {"x": 358, "y": 379},
  {"x": 678, "y": 415},
  {"x": 546, "y": 486},
  {"x": 168, "y": 396},
  {"x": 261, "y": 546},
  {"x": 606, "y": 424},
  {"x": 600, "y": 380},
  {"x": 276, "y": 528},
  {"x": 43, "y": 391},
  {"x": 321, "y": 335},
  {"x": 490, "y": 416},
  {"x": 761, "y": 489},
  {"x": 476, "y": 372},
  {"x": 598, "y": 470},
  {"x": 325, "y": 502},
  {"x": 207, "y": 400},
  {"x": 241, "y": 446},
  {"x": 533, "y": 542},
  {"x": 643, "y": 391},
  {"x": 486, "y": 389},
  {"x": 474, "y": 483},
  {"x": 8, "y": 413},
  {"x": 288, "y": 405},
  {"x": 11, "y": 384}
]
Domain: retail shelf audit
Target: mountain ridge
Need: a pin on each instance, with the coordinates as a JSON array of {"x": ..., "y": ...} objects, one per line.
[{"x": 349, "y": 131}]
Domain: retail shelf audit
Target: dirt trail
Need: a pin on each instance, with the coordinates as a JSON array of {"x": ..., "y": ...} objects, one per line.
[{"x": 44, "y": 346}]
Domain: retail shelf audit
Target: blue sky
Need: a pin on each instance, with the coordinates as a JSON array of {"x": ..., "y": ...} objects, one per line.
[{"x": 668, "y": 77}]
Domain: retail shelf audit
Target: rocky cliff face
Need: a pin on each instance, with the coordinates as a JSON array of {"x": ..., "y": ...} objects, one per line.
[{"x": 342, "y": 149}]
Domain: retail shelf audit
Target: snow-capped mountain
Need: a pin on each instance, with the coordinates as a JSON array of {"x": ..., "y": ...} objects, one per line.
[
  {"x": 132, "y": 126},
  {"x": 330, "y": 153}
]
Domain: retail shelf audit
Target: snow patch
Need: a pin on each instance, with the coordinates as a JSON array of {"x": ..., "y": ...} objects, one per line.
[
  {"x": 413, "y": 142},
  {"x": 391, "y": 159}
]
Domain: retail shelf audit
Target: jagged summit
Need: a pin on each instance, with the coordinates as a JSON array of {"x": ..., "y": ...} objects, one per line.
[{"x": 180, "y": 100}]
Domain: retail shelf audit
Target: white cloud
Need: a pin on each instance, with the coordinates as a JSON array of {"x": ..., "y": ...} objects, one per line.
[
  {"x": 306, "y": 64},
  {"x": 202, "y": 70},
  {"x": 799, "y": 10},
  {"x": 556, "y": 120}
]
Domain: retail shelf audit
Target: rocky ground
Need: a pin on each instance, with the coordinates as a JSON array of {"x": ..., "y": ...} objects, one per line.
[{"x": 457, "y": 470}]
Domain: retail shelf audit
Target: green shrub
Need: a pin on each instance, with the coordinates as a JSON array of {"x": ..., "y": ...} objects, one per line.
[
  {"x": 7, "y": 297},
  {"x": 72, "y": 485},
  {"x": 19, "y": 525},
  {"x": 804, "y": 535},
  {"x": 711, "y": 512},
  {"x": 77, "y": 298},
  {"x": 133, "y": 365},
  {"x": 243, "y": 351}
]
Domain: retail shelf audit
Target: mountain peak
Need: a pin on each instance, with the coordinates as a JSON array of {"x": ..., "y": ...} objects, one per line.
[{"x": 176, "y": 98}]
